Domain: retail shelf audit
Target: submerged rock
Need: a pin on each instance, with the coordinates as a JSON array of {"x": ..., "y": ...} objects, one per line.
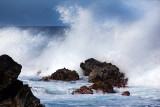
[
  {"x": 83, "y": 90},
  {"x": 12, "y": 91},
  {"x": 104, "y": 72},
  {"x": 63, "y": 75},
  {"x": 126, "y": 93}
]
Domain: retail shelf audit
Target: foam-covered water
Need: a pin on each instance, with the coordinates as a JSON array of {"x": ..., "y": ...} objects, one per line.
[{"x": 58, "y": 94}]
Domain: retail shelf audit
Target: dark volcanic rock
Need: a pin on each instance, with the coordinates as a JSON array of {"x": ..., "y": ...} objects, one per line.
[
  {"x": 63, "y": 75},
  {"x": 98, "y": 87},
  {"x": 47, "y": 78},
  {"x": 104, "y": 72},
  {"x": 126, "y": 93},
  {"x": 83, "y": 90},
  {"x": 89, "y": 66},
  {"x": 102, "y": 87},
  {"x": 12, "y": 91},
  {"x": 18, "y": 95},
  {"x": 25, "y": 98},
  {"x": 9, "y": 71}
]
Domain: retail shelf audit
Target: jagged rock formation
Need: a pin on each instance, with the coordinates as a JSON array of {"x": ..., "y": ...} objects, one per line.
[
  {"x": 102, "y": 87},
  {"x": 98, "y": 87},
  {"x": 12, "y": 91},
  {"x": 63, "y": 75},
  {"x": 9, "y": 71},
  {"x": 104, "y": 72},
  {"x": 83, "y": 90}
]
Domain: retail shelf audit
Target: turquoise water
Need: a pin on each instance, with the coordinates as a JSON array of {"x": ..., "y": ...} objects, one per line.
[{"x": 58, "y": 94}]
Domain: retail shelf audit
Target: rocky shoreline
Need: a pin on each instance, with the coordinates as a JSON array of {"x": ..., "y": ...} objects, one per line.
[
  {"x": 13, "y": 93},
  {"x": 104, "y": 77},
  {"x": 63, "y": 75}
]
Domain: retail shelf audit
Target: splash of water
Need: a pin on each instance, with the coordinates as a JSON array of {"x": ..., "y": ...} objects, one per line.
[{"x": 124, "y": 33}]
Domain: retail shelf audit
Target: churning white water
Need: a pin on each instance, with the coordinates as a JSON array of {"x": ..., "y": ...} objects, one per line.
[
  {"x": 125, "y": 33},
  {"x": 58, "y": 94}
]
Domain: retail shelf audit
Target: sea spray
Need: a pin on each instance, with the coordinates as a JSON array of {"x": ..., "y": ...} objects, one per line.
[{"x": 125, "y": 33}]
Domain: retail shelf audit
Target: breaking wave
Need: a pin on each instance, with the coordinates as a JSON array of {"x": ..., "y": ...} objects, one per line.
[{"x": 125, "y": 33}]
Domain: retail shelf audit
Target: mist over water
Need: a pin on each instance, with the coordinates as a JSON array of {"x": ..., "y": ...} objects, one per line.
[{"x": 125, "y": 33}]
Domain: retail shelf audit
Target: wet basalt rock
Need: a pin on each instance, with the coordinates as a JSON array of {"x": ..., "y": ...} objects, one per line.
[
  {"x": 104, "y": 72},
  {"x": 9, "y": 71},
  {"x": 12, "y": 91},
  {"x": 63, "y": 75},
  {"x": 99, "y": 87},
  {"x": 102, "y": 87},
  {"x": 126, "y": 93},
  {"x": 83, "y": 90}
]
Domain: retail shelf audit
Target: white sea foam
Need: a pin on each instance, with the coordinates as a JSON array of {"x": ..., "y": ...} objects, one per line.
[
  {"x": 58, "y": 94},
  {"x": 125, "y": 33}
]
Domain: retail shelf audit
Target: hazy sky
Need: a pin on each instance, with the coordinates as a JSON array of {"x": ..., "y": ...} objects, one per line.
[{"x": 32, "y": 12}]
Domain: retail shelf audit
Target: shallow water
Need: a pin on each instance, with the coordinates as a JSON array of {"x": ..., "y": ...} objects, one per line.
[{"x": 58, "y": 94}]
